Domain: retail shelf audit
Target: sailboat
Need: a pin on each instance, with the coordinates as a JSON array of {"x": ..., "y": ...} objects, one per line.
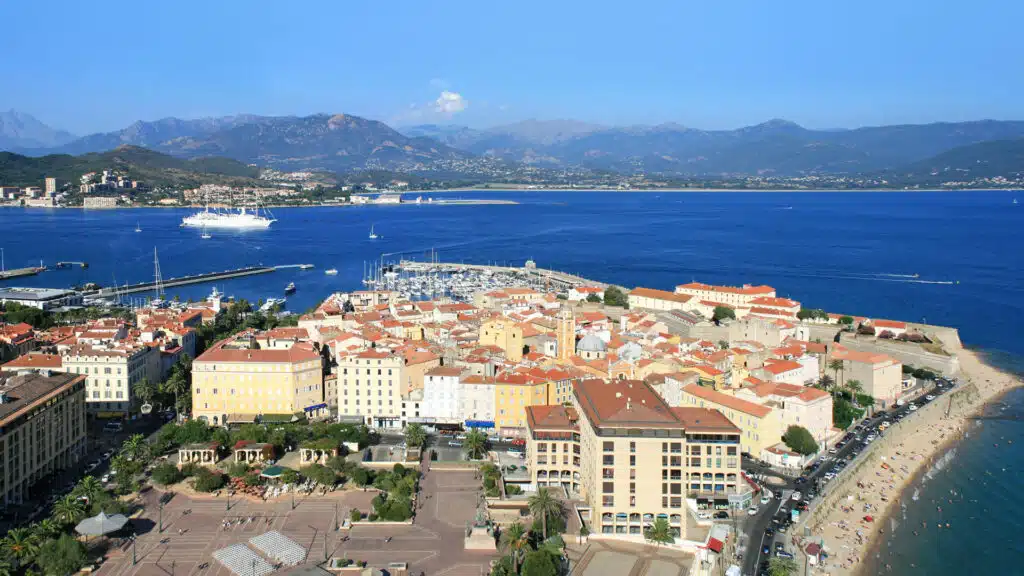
[
  {"x": 205, "y": 235},
  {"x": 1014, "y": 200},
  {"x": 137, "y": 227},
  {"x": 373, "y": 236}
]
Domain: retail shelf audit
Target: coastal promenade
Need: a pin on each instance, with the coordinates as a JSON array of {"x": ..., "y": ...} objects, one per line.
[{"x": 907, "y": 450}]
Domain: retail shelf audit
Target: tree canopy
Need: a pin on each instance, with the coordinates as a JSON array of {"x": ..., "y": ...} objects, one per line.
[
  {"x": 800, "y": 440},
  {"x": 723, "y": 312},
  {"x": 615, "y": 297}
]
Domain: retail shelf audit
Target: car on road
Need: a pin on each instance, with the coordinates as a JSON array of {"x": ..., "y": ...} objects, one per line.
[
  {"x": 752, "y": 511},
  {"x": 796, "y": 496},
  {"x": 721, "y": 515},
  {"x": 778, "y": 495},
  {"x": 766, "y": 498},
  {"x": 801, "y": 506},
  {"x": 913, "y": 407},
  {"x": 783, "y": 554},
  {"x": 768, "y": 533},
  {"x": 929, "y": 397},
  {"x": 779, "y": 546},
  {"x": 704, "y": 515},
  {"x": 801, "y": 480},
  {"x": 455, "y": 443},
  {"x": 766, "y": 550}
]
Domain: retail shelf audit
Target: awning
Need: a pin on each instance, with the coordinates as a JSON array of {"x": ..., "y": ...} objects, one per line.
[
  {"x": 715, "y": 545},
  {"x": 241, "y": 418},
  {"x": 479, "y": 424},
  {"x": 315, "y": 407},
  {"x": 101, "y": 524}
]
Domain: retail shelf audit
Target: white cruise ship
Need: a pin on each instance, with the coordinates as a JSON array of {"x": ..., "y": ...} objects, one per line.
[{"x": 242, "y": 219}]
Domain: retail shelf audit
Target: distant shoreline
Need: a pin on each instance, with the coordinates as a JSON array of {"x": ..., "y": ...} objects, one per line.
[{"x": 697, "y": 190}]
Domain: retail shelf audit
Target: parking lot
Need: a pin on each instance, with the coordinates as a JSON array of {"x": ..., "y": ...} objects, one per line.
[{"x": 768, "y": 528}]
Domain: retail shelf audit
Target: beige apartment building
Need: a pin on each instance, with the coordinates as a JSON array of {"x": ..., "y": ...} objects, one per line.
[
  {"x": 112, "y": 369},
  {"x": 651, "y": 299},
  {"x": 880, "y": 375},
  {"x": 633, "y": 458},
  {"x": 504, "y": 334},
  {"x": 760, "y": 426},
  {"x": 732, "y": 295},
  {"x": 370, "y": 388},
  {"x": 42, "y": 429},
  {"x": 235, "y": 381}
]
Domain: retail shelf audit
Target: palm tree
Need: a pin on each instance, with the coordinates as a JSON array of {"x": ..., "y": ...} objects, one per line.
[
  {"x": 21, "y": 545},
  {"x": 415, "y": 435},
  {"x": 515, "y": 540},
  {"x": 68, "y": 510},
  {"x": 46, "y": 528},
  {"x": 89, "y": 487},
  {"x": 476, "y": 444},
  {"x": 660, "y": 532},
  {"x": 144, "y": 390},
  {"x": 134, "y": 447},
  {"x": 781, "y": 567},
  {"x": 836, "y": 366},
  {"x": 855, "y": 387},
  {"x": 826, "y": 382},
  {"x": 178, "y": 386},
  {"x": 541, "y": 505},
  {"x": 5, "y": 568}
]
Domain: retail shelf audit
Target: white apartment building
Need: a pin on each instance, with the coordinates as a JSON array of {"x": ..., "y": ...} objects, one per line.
[
  {"x": 370, "y": 388},
  {"x": 476, "y": 402},
  {"x": 442, "y": 391}
]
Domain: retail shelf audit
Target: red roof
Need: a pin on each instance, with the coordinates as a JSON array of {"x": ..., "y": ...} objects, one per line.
[
  {"x": 660, "y": 294},
  {"x": 746, "y": 289}
]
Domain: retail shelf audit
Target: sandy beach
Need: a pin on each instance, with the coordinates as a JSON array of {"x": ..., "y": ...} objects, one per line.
[{"x": 872, "y": 487}]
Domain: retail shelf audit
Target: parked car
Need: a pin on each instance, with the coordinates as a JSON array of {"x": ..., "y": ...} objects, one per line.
[
  {"x": 929, "y": 397},
  {"x": 721, "y": 515},
  {"x": 752, "y": 511},
  {"x": 766, "y": 498},
  {"x": 783, "y": 554},
  {"x": 913, "y": 407},
  {"x": 796, "y": 495},
  {"x": 455, "y": 443},
  {"x": 704, "y": 515}
]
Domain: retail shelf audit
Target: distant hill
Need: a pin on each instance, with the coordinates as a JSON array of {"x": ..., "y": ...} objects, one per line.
[
  {"x": 776, "y": 147},
  {"x": 153, "y": 168},
  {"x": 146, "y": 134},
  {"x": 20, "y": 130},
  {"x": 997, "y": 158}
]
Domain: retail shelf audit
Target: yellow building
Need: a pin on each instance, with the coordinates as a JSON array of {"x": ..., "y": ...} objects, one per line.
[
  {"x": 370, "y": 386},
  {"x": 42, "y": 429},
  {"x": 761, "y": 426},
  {"x": 709, "y": 375},
  {"x": 236, "y": 382},
  {"x": 513, "y": 392},
  {"x": 633, "y": 458},
  {"x": 504, "y": 334},
  {"x": 566, "y": 333}
]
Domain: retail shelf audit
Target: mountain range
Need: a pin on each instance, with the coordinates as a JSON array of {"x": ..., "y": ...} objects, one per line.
[{"x": 345, "y": 143}]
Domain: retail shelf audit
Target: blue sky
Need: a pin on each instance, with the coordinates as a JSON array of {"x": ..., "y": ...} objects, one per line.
[{"x": 96, "y": 66}]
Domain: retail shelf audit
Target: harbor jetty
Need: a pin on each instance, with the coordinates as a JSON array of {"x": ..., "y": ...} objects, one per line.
[
  {"x": 19, "y": 272},
  {"x": 181, "y": 281},
  {"x": 561, "y": 280}
]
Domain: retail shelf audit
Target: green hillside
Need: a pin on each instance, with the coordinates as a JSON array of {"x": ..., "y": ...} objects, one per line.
[{"x": 153, "y": 168}]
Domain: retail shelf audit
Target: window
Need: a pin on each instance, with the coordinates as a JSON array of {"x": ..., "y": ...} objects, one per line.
[
  {"x": 632, "y": 448},
  {"x": 608, "y": 487},
  {"x": 632, "y": 502},
  {"x": 609, "y": 460},
  {"x": 632, "y": 487},
  {"x": 609, "y": 446},
  {"x": 608, "y": 473},
  {"x": 632, "y": 460}
]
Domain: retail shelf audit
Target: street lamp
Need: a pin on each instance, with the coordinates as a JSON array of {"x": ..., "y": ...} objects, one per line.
[
  {"x": 227, "y": 502},
  {"x": 161, "y": 526},
  {"x": 134, "y": 558}
]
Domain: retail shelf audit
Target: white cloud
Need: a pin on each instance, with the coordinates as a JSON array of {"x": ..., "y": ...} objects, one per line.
[{"x": 450, "y": 103}]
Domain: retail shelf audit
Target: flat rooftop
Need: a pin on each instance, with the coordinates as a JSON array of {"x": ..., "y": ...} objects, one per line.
[
  {"x": 23, "y": 391},
  {"x": 33, "y": 293}
]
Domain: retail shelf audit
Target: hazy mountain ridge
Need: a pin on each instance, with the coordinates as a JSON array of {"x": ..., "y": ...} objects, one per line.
[{"x": 22, "y": 130}]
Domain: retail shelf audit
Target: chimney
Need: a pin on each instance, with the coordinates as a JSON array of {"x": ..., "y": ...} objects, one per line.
[{"x": 629, "y": 403}]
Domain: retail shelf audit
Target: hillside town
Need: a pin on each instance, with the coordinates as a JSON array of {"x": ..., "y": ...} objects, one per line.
[{"x": 591, "y": 392}]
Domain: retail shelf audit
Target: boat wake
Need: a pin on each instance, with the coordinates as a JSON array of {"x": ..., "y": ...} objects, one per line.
[{"x": 940, "y": 464}]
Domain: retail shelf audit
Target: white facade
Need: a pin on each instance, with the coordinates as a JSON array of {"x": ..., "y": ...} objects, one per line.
[
  {"x": 477, "y": 398},
  {"x": 112, "y": 372},
  {"x": 442, "y": 394}
]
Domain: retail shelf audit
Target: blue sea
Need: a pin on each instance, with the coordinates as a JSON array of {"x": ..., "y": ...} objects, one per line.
[{"x": 950, "y": 258}]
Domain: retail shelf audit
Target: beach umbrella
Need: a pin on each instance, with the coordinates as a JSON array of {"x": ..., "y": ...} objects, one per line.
[{"x": 101, "y": 524}]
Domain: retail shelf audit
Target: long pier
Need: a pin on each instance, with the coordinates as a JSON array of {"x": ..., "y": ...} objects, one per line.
[
  {"x": 19, "y": 272},
  {"x": 182, "y": 281}
]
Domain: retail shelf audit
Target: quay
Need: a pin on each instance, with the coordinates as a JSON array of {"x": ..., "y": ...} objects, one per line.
[
  {"x": 70, "y": 264},
  {"x": 19, "y": 272},
  {"x": 182, "y": 281}
]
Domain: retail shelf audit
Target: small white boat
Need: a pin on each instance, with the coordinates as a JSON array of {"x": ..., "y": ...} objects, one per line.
[
  {"x": 139, "y": 229},
  {"x": 373, "y": 236},
  {"x": 206, "y": 236},
  {"x": 331, "y": 271}
]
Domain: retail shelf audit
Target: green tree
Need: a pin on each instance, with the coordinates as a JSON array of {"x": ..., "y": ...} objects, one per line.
[
  {"x": 781, "y": 567},
  {"x": 475, "y": 444},
  {"x": 846, "y": 320},
  {"x": 20, "y": 545},
  {"x": 5, "y": 568},
  {"x": 145, "y": 390},
  {"x": 855, "y": 388},
  {"x": 836, "y": 366},
  {"x": 844, "y": 413},
  {"x": 167, "y": 474},
  {"x": 69, "y": 510},
  {"x": 415, "y": 435},
  {"x": 355, "y": 515},
  {"x": 826, "y": 382},
  {"x": 135, "y": 447},
  {"x": 515, "y": 541},
  {"x": 723, "y": 312},
  {"x": 89, "y": 487},
  {"x": 320, "y": 474},
  {"x": 800, "y": 440},
  {"x": 539, "y": 563},
  {"x": 584, "y": 533},
  {"x": 613, "y": 296},
  {"x": 723, "y": 344},
  {"x": 46, "y": 528},
  {"x": 62, "y": 556},
  {"x": 543, "y": 505},
  {"x": 594, "y": 298},
  {"x": 208, "y": 481},
  {"x": 659, "y": 532}
]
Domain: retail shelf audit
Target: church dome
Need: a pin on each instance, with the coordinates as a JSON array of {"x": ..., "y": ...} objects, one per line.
[{"x": 591, "y": 343}]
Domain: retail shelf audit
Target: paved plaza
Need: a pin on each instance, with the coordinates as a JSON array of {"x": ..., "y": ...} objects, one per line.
[
  {"x": 610, "y": 558},
  {"x": 433, "y": 544}
]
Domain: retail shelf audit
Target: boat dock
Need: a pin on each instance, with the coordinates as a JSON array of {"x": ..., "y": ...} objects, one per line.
[
  {"x": 19, "y": 272},
  {"x": 558, "y": 280},
  {"x": 182, "y": 281},
  {"x": 70, "y": 264}
]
